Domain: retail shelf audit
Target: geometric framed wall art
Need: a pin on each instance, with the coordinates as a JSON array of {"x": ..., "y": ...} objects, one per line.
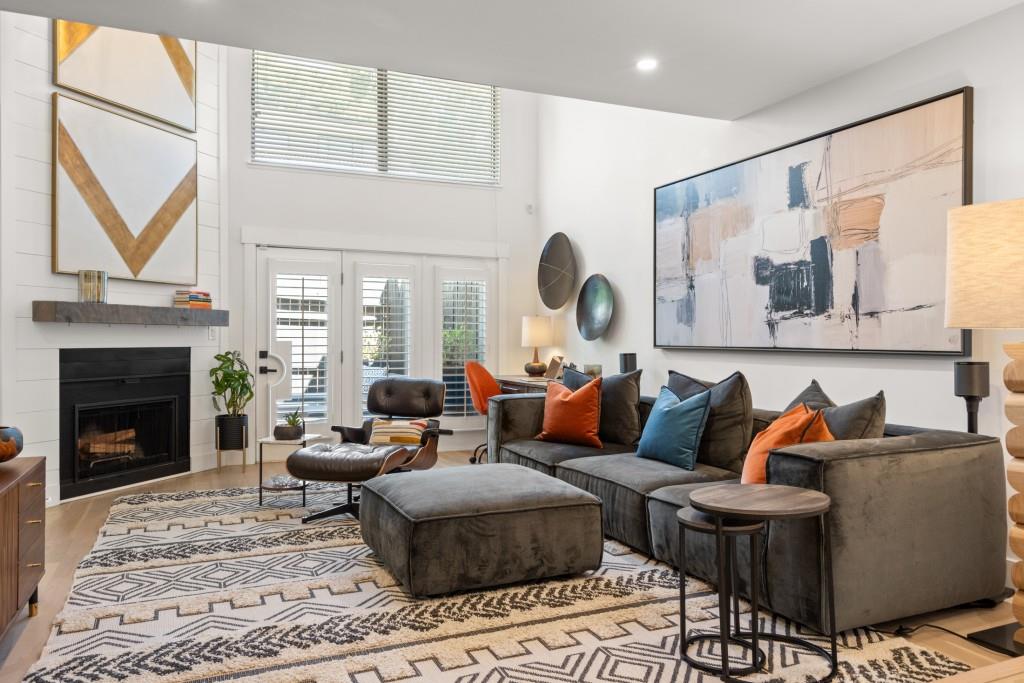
[
  {"x": 147, "y": 73},
  {"x": 833, "y": 243},
  {"x": 124, "y": 196}
]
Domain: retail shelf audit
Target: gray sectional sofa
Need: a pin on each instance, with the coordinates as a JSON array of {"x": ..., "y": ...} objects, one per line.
[{"x": 918, "y": 519}]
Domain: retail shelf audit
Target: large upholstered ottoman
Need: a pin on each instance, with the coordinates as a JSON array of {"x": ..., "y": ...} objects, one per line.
[{"x": 461, "y": 528}]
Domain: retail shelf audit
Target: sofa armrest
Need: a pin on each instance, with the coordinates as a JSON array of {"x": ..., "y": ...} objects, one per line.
[
  {"x": 924, "y": 441},
  {"x": 511, "y": 417},
  {"x": 923, "y": 516}
]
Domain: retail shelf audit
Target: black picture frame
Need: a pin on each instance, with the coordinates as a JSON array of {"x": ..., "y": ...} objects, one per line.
[{"x": 966, "y": 198}]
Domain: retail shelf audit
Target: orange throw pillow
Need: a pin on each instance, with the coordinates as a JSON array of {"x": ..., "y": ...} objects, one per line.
[
  {"x": 798, "y": 425},
  {"x": 572, "y": 416}
]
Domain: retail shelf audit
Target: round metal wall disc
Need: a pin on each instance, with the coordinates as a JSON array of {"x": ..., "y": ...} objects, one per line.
[
  {"x": 594, "y": 307},
  {"x": 556, "y": 273}
]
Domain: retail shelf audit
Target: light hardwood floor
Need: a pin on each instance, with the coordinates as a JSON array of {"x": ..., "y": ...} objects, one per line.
[{"x": 71, "y": 530}]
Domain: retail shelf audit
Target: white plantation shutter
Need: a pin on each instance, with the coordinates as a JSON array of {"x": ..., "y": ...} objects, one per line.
[
  {"x": 311, "y": 113},
  {"x": 301, "y": 318},
  {"x": 463, "y": 338},
  {"x": 386, "y": 329}
]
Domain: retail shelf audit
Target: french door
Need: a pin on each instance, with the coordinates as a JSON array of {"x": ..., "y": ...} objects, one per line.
[
  {"x": 421, "y": 316},
  {"x": 299, "y": 322}
]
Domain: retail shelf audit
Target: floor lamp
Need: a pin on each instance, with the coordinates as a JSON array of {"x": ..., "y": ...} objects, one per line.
[{"x": 985, "y": 290}]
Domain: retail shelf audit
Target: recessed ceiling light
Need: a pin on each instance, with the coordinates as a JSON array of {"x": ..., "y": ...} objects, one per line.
[{"x": 647, "y": 64}]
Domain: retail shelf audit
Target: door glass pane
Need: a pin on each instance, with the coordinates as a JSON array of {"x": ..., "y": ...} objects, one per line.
[
  {"x": 386, "y": 333},
  {"x": 301, "y": 318},
  {"x": 463, "y": 338}
]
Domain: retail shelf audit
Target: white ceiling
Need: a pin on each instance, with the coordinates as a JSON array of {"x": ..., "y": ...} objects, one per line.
[{"x": 720, "y": 58}]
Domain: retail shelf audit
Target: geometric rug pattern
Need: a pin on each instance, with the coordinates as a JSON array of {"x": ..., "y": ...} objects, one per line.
[{"x": 210, "y": 586}]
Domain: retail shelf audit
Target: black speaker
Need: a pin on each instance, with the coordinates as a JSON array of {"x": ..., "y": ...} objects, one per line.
[
  {"x": 970, "y": 381},
  {"x": 627, "y": 362}
]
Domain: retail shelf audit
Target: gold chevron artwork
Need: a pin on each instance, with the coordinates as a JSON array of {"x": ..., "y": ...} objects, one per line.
[
  {"x": 151, "y": 74},
  {"x": 112, "y": 174}
]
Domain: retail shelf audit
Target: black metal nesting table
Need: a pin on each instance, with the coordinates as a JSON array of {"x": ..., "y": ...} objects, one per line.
[{"x": 728, "y": 512}]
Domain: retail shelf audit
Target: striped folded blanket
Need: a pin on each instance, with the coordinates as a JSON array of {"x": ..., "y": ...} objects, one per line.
[{"x": 396, "y": 432}]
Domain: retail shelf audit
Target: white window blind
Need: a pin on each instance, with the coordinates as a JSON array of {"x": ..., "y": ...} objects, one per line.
[
  {"x": 463, "y": 338},
  {"x": 312, "y": 113},
  {"x": 386, "y": 329},
  {"x": 301, "y": 318}
]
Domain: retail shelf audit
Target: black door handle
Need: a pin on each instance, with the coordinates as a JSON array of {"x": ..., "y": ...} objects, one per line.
[{"x": 264, "y": 370}]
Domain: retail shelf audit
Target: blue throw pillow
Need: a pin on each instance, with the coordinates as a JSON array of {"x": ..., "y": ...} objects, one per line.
[{"x": 673, "y": 430}]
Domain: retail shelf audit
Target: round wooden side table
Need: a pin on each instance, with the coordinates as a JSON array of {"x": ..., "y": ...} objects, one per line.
[{"x": 732, "y": 510}]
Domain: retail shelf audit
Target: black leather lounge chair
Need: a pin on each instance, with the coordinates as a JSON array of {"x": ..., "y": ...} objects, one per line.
[{"x": 354, "y": 460}]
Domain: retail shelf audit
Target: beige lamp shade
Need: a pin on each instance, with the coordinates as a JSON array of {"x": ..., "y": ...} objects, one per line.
[
  {"x": 985, "y": 266},
  {"x": 537, "y": 331}
]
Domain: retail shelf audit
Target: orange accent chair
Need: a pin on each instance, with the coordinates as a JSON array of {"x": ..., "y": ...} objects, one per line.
[{"x": 482, "y": 386}]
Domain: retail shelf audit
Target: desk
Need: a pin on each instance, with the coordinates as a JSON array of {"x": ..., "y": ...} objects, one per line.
[{"x": 522, "y": 384}]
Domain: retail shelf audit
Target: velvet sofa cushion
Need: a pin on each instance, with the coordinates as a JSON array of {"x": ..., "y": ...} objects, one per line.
[
  {"x": 623, "y": 481},
  {"x": 620, "y": 401},
  {"x": 543, "y": 456},
  {"x": 730, "y": 421},
  {"x": 672, "y": 433},
  {"x": 451, "y": 529}
]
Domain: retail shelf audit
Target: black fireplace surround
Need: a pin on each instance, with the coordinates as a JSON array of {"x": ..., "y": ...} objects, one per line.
[{"x": 124, "y": 417}]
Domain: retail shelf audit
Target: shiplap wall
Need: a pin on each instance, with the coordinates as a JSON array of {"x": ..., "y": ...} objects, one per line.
[{"x": 29, "y": 389}]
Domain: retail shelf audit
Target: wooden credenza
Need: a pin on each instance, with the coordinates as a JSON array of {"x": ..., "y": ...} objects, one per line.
[{"x": 22, "y": 535}]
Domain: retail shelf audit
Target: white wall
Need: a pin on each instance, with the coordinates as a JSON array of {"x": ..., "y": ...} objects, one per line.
[
  {"x": 29, "y": 388},
  {"x": 394, "y": 214},
  {"x": 598, "y": 165}
]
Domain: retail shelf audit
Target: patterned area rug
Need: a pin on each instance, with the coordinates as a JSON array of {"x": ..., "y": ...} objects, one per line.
[{"x": 208, "y": 586}]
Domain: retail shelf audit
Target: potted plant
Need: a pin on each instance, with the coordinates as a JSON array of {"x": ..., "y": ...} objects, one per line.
[
  {"x": 232, "y": 389},
  {"x": 292, "y": 429}
]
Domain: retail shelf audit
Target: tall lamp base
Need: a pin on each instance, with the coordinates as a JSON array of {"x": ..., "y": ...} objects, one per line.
[{"x": 1000, "y": 639}]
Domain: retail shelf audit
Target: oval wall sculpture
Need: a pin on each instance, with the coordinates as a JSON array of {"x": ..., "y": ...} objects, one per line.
[
  {"x": 594, "y": 307},
  {"x": 556, "y": 273}
]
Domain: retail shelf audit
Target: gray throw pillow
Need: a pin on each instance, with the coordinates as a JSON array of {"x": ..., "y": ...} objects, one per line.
[
  {"x": 730, "y": 421},
  {"x": 620, "y": 404},
  {"x": 814, "y": 397},
  {"x": 863, "y": 419}
]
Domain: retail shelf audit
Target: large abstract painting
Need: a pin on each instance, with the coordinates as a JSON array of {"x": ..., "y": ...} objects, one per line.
[
  {"x": 834, "y": 243},
  {"x": 147, "y": 73},
  {"x": 124, "y": 196}
]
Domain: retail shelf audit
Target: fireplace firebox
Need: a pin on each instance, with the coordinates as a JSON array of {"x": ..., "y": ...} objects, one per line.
[{"x": 124, "y": 417}]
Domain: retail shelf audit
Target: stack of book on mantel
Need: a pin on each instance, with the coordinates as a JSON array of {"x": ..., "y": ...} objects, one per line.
[{"x": 192, "y": 298}]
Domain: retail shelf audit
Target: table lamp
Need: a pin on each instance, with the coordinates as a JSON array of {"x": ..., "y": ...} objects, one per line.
[
  {"x": 536, "y": 333},
  {"x": 985, "y": 290}
]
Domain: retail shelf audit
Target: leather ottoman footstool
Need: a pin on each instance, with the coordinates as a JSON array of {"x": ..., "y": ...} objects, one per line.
[{"x": 463, "y": 528}]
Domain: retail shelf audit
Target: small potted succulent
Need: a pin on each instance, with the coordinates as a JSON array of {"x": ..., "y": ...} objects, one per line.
[
  {"x": 292, "y": 429},
  {"x": 232, "y": 389}
]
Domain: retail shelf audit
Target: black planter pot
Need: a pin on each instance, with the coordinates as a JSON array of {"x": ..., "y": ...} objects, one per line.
[
  {"x": 232, "y": 432},
  {"x": 288, "y": 432}
]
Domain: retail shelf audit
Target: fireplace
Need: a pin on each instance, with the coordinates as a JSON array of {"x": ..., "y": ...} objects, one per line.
[{"x": 124, "y": 417}]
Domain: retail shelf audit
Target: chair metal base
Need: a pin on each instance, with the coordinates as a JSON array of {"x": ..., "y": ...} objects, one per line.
[
  {"x": 349, "y": 507},
  {"x": 479, "y": 453}
]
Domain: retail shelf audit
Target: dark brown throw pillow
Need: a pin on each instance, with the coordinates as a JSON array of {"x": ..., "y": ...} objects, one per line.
[
  {"x": 730, "y": 421},
  {"x": 814, "y": 397},
  {"x": 863, "y": 419},
  {"x": 620, "y": 404}
]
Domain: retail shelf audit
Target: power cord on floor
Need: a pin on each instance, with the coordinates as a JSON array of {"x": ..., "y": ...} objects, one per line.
[{"x": 903, "y": 631}]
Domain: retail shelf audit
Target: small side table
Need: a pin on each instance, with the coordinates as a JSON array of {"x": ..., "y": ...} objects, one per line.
[
  {"x": 283, "y": 483},
  {"x": 736, "y": 506}
]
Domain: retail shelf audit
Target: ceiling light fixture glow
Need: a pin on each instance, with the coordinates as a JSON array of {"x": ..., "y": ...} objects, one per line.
[{"x": 647, "y": 64}]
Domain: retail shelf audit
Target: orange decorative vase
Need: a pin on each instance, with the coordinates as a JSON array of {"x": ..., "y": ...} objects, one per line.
[{"x": 11, "y": 442}]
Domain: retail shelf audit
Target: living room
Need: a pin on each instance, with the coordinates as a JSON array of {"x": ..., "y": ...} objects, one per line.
[{"x": 327, "y": 218}]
